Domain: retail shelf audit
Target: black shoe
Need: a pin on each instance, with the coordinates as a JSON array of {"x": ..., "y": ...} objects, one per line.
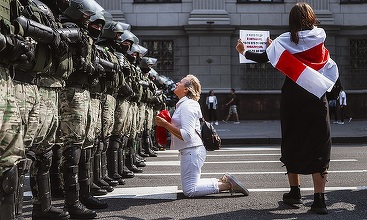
[
  {"x": 104, "y": 185},
  {"x": 152, "y": 154},
  {"x": 92, "y": 202},
  {"x": 319, "y": 210},
  {"x": 52, "y": 213},
  {"x": 318, "y": 204},
  {"x": 135, "y": 169},
  {"x": 143, "y": 154},
  {"x": 126, "y": 173},
  {"x": 140, "y": 164},
  {"x": 121, "y": 181},
  {"x": 95, "y": 190},
  {"x": 117, "y": 177},
  {"x": 79, "y": 211},
  {"x": 110, "y": 181},
  {"x": 291, "y": 199}
]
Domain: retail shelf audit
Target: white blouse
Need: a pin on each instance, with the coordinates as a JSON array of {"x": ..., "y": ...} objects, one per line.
[{"x": 186, "y": 118}]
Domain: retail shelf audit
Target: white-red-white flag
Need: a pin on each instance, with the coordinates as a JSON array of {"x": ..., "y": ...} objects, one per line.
[{"x": 307, "y": 63}]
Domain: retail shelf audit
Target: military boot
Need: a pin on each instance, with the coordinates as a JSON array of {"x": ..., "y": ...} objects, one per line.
[
  {"x": 70, "y": 171},
  {"x": 130, "y": 157},
  {"x": 113, "y": 160},
  {"x": 85, "y": 183},
  {"x": 57, "y": 190},
  {"x": 123, "y": 170},
  {"x": 104, "y": 171},
  {"x": 8, "y": 191},
  {"x": 139, "y": 144},
  {"x": 147, "y": 144},
  {"x": 96, "y": 172},
  {"x": 41, "y": 189}
]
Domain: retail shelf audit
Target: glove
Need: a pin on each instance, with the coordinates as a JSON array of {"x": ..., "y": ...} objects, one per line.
[
  {"x": 30, "y": 154},
  {"x": 61, "y": 44},
  {"x": 98, "y": 69},
  {"x": 126, "y": 90},
  {"x": 18, "y": 50}
]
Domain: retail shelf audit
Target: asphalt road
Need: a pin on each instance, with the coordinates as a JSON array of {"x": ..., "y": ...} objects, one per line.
[{"x": 155, "y": 194}]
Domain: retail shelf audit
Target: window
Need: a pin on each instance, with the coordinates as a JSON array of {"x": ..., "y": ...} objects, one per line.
[
  {"x": 157, "y": 1},
  {"x": 353, "y": 1},
  {"x": 358, "y": 63},
  {"x": 163, "y": 51},
  {"x": 260, "y": 1}
]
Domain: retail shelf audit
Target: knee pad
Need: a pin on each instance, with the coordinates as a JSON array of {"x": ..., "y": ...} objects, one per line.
[
  {"x": 9, "y": 181},
  {"x": 45, "y": 161},
  {"x": 72, "y": 155}
]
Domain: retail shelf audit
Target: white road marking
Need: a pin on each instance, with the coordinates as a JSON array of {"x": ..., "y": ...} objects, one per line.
[
  {"x": 177, "y": 162},
  {"x": 246, "y": 173},
  {"x": 159, "y": 192},
  {"x": 170, "y": 192}
]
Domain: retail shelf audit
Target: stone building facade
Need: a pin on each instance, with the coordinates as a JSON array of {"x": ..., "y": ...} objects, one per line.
[{"x": 199, "y": 37}]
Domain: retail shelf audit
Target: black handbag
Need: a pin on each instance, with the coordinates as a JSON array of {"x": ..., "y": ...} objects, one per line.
[{"x": 209, "y": 136}]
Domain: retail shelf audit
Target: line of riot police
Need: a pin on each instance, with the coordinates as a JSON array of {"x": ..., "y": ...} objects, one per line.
[{"x": 78, "y": 99}]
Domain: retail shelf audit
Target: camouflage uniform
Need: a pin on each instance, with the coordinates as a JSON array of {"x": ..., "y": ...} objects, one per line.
[
  {"x": 13, "y": 166},
  {"x": 75, "y": 104},
  {"x": 109, "y": 83},
  {"x": 50, "y": 67}
]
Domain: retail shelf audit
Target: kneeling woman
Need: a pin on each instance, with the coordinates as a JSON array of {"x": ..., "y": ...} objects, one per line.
[{"x": 185, "y": 130}]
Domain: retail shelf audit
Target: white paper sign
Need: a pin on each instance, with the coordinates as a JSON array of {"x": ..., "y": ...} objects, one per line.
[{"x": 255, "y": 41}]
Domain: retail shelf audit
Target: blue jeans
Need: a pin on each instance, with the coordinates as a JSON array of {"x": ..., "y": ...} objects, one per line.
[{"x": 191, "y": 160}]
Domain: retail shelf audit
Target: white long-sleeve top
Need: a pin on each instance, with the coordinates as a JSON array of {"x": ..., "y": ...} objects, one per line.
[{"x": 186, "y": 118}]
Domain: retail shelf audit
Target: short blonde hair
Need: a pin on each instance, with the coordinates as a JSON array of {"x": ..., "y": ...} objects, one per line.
[{"x": 193, "y": 86}]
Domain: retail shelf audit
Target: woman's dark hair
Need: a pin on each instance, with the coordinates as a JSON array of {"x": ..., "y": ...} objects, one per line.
[{"x": 301, "y": 17}]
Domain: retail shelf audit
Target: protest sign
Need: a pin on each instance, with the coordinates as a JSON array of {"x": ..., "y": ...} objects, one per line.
[{"x": 255, "y": 41}]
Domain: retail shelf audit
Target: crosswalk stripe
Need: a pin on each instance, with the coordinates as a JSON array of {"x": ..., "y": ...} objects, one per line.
[
  {"x": 170, "y": 192},
  {"x": 246, "y": 173},
  {"x": 177, "y": 162}
]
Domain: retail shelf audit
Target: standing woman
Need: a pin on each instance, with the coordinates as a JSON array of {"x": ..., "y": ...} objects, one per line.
[
  {"x": 212, "y": 102},
  {"x": 305, "y": 123},
  {"x": 185, "y": 130}
]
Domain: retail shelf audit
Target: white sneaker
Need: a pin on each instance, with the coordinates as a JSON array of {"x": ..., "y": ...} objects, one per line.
[
  {"x": 340, "y": 123},
  {"x": 236, "y": 122},
  {"x": 335, "y": 122},
  {"x": 216, "y": 123}
]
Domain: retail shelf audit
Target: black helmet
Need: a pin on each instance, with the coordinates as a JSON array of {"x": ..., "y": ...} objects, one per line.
[
  {"x": 125, "y": 26},
  {"x": 78, "y": 8},
  {"x": 138, "y": 49},
  {"x": 110, "y": 29},
  {"x": 129, "y": 36},
  {"x": 147, "y": 62}
]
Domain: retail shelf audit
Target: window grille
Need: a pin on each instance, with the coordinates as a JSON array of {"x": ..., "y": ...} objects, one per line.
[
  {"x": 260, "y": 1},
  {"x": 358, "y": 63},
  {"x": 353, "y": 1},
  {"x": 157, "y": 1},
  {"x": 163, "y": 51}
]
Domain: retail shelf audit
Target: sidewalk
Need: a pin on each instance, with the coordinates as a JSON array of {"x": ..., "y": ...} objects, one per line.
[{"x": 268, "y": 132}]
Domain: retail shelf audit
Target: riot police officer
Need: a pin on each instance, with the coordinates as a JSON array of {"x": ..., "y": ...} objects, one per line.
[
  {"x": 13, "y": 165},
  {"x": 74, "y": 107},
  {"x": 109, "y": 158},
  {"x": 49, "y": 78}
]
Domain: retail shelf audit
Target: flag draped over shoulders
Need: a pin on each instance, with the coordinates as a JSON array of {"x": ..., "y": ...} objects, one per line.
[{"x": 307, "y": 63}]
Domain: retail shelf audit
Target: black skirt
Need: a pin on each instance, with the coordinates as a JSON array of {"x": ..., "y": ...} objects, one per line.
[{"x": 305, "y": 124}]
